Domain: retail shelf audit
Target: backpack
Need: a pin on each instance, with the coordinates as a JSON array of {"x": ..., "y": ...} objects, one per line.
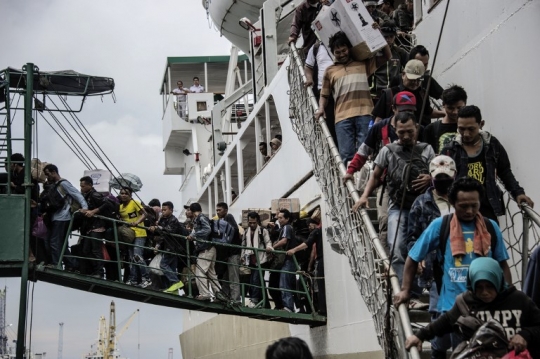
[
  {"x": 53, "y": 200},
  {"x": 74, "y": 206},
  {"x": 403, "y": 168},
  {"x": 111, "y": 210},
  {"x": 221, "y": 231},
  {"x": 444, "y": 232}
]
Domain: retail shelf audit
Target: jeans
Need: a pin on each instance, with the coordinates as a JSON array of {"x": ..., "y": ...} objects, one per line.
[
  {"x": 55, "y": 242},
  {"x": 321, "y": 285},
  {"x": 138, "y": 265},
  {"x": 205, "y": 272},
  {"x": 168, "y": 264},
  {"x": 351, "y": 133},
  {"x": 382, "y": 216},
  {"x": 255, "y": 281},
  {"x": 231, "y": 284},
  {"x": 288, "y": 281},
  {"x": 398, "y": 260}
]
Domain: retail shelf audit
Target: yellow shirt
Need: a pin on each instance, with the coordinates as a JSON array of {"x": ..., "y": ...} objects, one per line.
[{"x": 129, "y": 213}]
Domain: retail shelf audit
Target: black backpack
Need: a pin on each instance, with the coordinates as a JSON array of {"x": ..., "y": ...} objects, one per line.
[
  {"x": 402, "y": 169},
  {"x": 438, "y": 264},
  {"x": 111, "y": 210},
  {"x": 53, "y": 201}
]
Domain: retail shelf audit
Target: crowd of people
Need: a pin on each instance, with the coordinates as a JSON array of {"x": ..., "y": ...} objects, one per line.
[
  {"x": 216, "y": 252},
  {"x": 435, "y": 171}
]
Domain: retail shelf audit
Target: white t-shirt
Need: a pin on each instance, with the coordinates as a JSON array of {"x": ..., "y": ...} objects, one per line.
[
  {"x": 180, "y": 94},
  {"x": 323, "y": 60},
  {"x": 197, "y": 89}
]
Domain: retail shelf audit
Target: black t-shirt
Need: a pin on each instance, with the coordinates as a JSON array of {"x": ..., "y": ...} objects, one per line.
[
  {"x": 477, "y": 170},
  {"x": 439, "y": 134},
  {"x": 315, "y": 237}
]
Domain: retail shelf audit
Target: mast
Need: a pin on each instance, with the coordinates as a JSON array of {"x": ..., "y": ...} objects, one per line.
[{"x": 111, "y": 346}]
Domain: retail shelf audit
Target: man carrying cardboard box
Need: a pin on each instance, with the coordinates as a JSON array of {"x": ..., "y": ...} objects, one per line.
[{"x": 347, "y": 81}]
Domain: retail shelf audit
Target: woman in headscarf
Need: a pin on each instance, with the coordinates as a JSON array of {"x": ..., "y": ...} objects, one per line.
[{"x": 489, "y": 297}]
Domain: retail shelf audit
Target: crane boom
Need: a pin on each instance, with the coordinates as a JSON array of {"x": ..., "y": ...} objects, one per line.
[{"x": 128, "y": 323}]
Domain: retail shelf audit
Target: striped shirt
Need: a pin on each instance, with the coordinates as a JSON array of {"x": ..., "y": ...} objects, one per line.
[{"x": 348, "y": 83}]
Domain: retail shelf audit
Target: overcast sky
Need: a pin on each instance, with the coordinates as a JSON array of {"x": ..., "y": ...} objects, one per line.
[{"x": 128, "y": 41}]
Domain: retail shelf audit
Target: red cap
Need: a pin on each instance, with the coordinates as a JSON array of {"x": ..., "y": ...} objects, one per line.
[{"x": 405, "y": 101}]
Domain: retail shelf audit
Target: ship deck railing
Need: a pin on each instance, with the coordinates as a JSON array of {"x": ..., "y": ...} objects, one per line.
[{"x": 221, "y": 302}]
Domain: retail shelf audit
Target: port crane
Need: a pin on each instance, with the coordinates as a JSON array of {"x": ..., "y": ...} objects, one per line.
[{"x": 108, "y": 336}]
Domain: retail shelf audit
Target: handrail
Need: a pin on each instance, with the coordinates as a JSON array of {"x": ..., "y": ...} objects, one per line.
[
  {"x": 381, "y": 253},
  {"x": 187, "y": 259},
  {"x": 528, "y": 215}
]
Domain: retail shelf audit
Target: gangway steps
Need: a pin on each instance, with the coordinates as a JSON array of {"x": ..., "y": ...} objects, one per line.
[{"x": 121, "y": 290}]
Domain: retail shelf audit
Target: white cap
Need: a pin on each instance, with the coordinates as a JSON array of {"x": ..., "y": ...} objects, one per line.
[{"x": 442, "y": 165}]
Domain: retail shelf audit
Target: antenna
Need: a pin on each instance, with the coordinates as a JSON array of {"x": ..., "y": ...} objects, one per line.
[
  {"x": 60, "y": 340},
  {"x": 3, "y": 336}
]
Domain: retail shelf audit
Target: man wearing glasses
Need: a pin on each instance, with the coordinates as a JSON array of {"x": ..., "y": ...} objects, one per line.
[{"x": 411, "y": 81}]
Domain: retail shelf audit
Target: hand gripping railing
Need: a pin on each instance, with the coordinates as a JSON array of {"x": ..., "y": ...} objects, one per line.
[{"x": 356, "y": 235}]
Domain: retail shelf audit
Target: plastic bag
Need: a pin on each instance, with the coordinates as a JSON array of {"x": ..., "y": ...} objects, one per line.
[
  {"x": 155, "y": 265},
  {"x": 523, "y": 355},
  {"x": 39, "y": 230}
]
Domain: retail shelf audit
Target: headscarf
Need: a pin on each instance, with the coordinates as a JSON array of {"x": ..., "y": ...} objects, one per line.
[{"x": 486, "y": 268}]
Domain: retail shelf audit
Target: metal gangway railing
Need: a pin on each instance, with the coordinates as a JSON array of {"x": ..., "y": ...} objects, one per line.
[
  {"x": 354, "y": 232},
  {"x": 183, "y": 251}
]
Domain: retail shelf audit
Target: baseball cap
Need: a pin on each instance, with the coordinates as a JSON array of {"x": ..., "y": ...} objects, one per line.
[
  {"x": 405, "y": 101},
  {"x": 442, "y": 165},
  {"x": 388, "y": 28},
  {"x": 195, "y": 207},
  {"x": 414, "y": 69},
  {"x": 370, "y": 2}
]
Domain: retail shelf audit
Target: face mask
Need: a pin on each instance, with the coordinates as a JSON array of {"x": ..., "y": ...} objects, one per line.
[{"x": 442, "y": 185}]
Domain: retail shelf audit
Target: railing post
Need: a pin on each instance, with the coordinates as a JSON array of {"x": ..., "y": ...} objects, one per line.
[{"x": 28, "y": 123}]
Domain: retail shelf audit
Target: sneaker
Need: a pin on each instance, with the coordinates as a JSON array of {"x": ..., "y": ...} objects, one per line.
[
  {"x": 251, "y": 304},
  {"x": 131, "y": 282},
  {"x": 417, "y": 304},
  {"x": 203, "y": 297},
  {"x": 287, "y": 310},
  {"x": 147, "y": 283},
  {"x": 174, "y": 288}
]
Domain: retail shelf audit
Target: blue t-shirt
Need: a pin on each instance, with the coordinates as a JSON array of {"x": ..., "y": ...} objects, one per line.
[{"x": 456, "y": 269}]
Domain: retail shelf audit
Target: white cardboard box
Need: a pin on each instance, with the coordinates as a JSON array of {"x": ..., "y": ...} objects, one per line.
[
  {"x": 100, "y": 178},
  {"x": 351, "y": 17}
]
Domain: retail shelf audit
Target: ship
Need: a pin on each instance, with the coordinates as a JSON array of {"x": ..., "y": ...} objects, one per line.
[{"x": 484, "y": 47}]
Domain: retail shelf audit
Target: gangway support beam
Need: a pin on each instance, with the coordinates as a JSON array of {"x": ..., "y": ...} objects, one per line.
[
  {"x": 123, "y": 291},
  {"x": 28, "y": 122}
]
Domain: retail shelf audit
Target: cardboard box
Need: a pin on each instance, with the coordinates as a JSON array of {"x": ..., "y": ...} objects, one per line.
[
  {"x": 351, "y": 17},
  {"x": 100, "y": 178},
  {"x": 264, "y": 213},
  {"x": 292, "y": 204}
]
